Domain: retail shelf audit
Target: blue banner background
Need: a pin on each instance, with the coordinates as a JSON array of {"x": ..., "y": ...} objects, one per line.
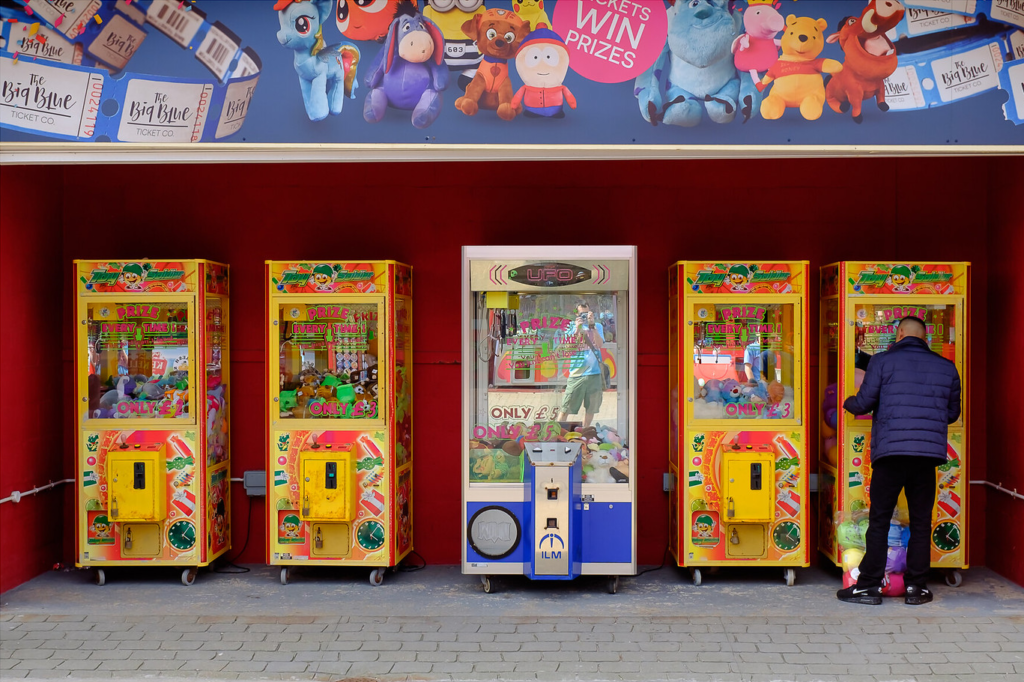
[{"x": 607, "y": 113}]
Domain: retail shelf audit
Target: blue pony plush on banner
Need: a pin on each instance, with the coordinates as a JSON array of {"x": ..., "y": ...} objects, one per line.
[
  {"x": 696, "y": 70},
  {"x": 409, "y": 73},
  {"x": 327, "y": 74}
]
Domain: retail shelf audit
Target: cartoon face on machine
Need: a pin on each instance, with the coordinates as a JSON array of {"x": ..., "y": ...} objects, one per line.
[
  {"x": 740, "y": 276},
  {"x": 291, "y": 526},
  {"x": 101, "y": 527},
  {"x": 366, "y": 19},
  {"x": 132, "y": 277},
  {"x": 704, "y": 526},
  {"x": 323, "y": 277},
  {"x": 901, "y": 277},
  {"x": 220, "y": 522}
]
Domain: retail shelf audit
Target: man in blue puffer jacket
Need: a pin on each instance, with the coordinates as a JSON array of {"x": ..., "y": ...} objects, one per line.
[{"x": 914, "y": 394}]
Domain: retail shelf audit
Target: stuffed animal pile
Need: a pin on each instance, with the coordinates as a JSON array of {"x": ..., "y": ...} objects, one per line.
[
  {"x": 106, "y": 397},
  {"x": 605, "y": 453},
  {"x": 850, "y": 535},
  {"x": 357, "y": 390}
]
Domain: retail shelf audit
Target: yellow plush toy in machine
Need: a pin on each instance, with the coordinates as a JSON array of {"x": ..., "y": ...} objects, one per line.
[
  {"x": 532, "y": 11},
  {"x": 797, "y": 76}
]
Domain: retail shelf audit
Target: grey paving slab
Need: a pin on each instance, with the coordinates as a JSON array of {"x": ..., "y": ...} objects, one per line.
[{"x": 437, "y": 625}]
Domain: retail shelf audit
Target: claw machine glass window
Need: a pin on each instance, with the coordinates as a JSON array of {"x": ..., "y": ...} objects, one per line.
[
  {"x": 550, "y": 367},
  {"x": 138, "y": 359},
  {"x": 329, "y": 359},
  {"x": 875, "y": 332},
  {"x": 746, "y": 361}
]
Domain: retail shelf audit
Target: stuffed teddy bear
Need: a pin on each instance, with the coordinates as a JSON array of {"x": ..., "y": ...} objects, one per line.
[
  {"x": 796, "y": 78},
  {"x": 601, "y": 462},
  {"x": 731, "y": 391}
]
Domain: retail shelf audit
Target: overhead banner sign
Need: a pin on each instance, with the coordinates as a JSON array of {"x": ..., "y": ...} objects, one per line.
[{"x": 594, "y": 73}]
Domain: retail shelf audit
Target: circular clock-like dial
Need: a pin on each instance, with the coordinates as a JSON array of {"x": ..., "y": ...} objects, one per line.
[
  {"x": 370, "y": 535},
  {"x": 946, "y": 536},
  {"x": 182, "y": 535},
  {"x": 786, "y": 536}
]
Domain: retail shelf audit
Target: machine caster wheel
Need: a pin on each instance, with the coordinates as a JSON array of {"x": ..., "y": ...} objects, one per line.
[
  {"x": 188, "y": 576},
  {"x": 101, "y": 577},
  {"x": 613, "y": 584},
  {"x": 695, "y": 572},
  {"x": 954, "y": 578},
  {"x": 488, "y": 585},
  {"x": 285, "y": 575},
  {"x": 790, "y": 575},
  {"x": 377, "y": 576}
]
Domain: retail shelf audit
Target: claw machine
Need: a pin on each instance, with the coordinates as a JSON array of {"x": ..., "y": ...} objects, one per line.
[
  {"x": 339, "y": 415},
  {"x": 738, "y": 400},
  {"x": 152, "y": 376},
  {"x": 549, "y": 412},
  {"x": 861, "y": 307}
]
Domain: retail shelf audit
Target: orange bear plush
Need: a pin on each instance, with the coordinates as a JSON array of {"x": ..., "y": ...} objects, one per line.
[{"x": 797, "y": 78}]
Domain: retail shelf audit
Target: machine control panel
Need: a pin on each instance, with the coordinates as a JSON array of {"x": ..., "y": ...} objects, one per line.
[
  {"x": 748, "y": 473},
  {"x": 553, "y": 464},
  {"x": 327, "y": 484},
  {"x": 137, "y": 488}
]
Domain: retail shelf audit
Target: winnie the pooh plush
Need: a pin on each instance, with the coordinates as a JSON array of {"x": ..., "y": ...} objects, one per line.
[{"x": 797, "y": 75}]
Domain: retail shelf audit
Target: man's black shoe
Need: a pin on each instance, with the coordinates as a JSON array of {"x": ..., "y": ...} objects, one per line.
[
  {"x": 917, "y": 595},
  {"x": 861, "y": 595}
]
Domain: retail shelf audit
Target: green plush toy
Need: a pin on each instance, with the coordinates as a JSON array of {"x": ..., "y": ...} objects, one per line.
[{"x": 288, "y": 400}]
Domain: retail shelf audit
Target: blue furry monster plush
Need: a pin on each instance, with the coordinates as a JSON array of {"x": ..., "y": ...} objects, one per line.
[
  {"x": 327, "y": 74},
  {"x": 696, "y": 70}
]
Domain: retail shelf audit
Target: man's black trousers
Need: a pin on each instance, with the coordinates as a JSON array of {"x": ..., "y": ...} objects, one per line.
[{"x": 890, "y": 475}]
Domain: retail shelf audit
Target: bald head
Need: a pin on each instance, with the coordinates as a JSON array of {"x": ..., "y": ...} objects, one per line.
[{"x": 910, "y": 326}]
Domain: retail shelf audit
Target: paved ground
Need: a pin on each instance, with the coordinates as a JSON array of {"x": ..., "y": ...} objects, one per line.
[{"x": 438, "y": 625}]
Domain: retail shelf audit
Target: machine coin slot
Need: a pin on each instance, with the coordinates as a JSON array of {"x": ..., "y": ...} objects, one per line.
[
  {"x": 331, "y": 478},
  {"x": 139, "y": 482},
  {"x": 552, "y": 523},
  {"x": 552, "y": 493},
  {"x": 755, "y": 475}
]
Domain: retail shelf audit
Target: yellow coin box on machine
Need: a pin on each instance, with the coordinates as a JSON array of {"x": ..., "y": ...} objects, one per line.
[
  {"x": 327, "y": 483},
  {"x": 748, "y": 485},
  {"x": 136, "y": 478}
]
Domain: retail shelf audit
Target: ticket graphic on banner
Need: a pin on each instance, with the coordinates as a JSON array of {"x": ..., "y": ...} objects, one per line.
[
  {"x": 946, "y": 74},
  {"x": 63, "y": 88},
  {"x": 1007, "y": 11},
  {"x": 920, "y": 22},
  {"x": 1012, "y": 79}
]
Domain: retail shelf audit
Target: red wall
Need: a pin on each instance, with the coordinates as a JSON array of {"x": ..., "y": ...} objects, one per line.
[
  {"x": 1006, "y": 301},
  {"x": 31, "y": 321},
  {"x": 820, "y": 210}
]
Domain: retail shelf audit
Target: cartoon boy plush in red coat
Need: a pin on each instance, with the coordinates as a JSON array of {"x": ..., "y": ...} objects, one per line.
[{"x": 542, "y": 62}]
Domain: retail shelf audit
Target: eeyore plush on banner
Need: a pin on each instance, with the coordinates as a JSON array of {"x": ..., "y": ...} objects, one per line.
[
  {"x": 696, "y": 70},
  {"x": 409, "y": 73}
]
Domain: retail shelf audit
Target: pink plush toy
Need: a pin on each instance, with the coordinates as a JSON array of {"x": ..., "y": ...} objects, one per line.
[
  {"x": 892, "y": 585},
  {"x": 757, "y": 50}
]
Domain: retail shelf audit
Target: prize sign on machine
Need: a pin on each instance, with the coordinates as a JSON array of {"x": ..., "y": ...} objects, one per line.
[
  {"x": 549, "y": 406},
  {"x": 339, "y": 414},
  {"x": 862, "y": 305},
  {"x": 153, "y": 458},
  {"x": 738, "y": 440}
]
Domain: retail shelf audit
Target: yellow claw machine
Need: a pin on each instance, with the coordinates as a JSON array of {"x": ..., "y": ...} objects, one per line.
[
  {"x": 151, "y": 385},
  {"x": 738, "y": 396},
  {"x": 861, "y": 307},
  {"x": 339, "y": 414}
]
